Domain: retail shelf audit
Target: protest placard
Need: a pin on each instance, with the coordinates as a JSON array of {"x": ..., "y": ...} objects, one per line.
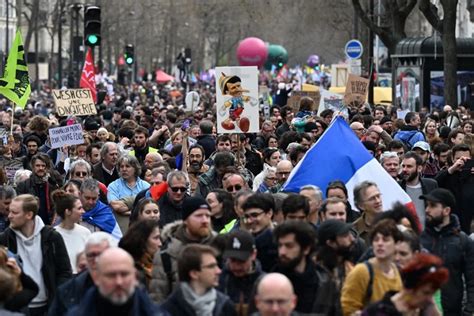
[
  {"x": 356, "y": 91},
  {"x": 11, "y": 166},
  {"x": 237, "y": 99},
  {"x": 74, "y": 102},
  {"x": 66, "y": 135},
  {"x": 294, "y": 100},
  {"x": 332, "y": 101}
]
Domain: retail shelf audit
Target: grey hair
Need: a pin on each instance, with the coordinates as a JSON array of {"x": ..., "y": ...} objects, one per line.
[
  {"x": 97, "y": 238},
  {"x": 317, "y": 191},
  {"x": 359, "y": 191},
  {"x": 105, "y": 148},
  {"x": 80, "y": 162},
  {"x": 7, "y": 192},
  {"x": 90, "y": 184},
  {"x": 177, "y": 174},
  {"x": 388, "y": 154},
  {"x": 133, "y": 162},
  {"x": 268, "y": 171},
  {"x": 21, "y": 173}
]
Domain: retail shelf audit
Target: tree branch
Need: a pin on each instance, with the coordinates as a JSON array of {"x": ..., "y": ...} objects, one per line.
[
  {"x": 430, "y": 12},
  {"x": 363, "y": 16}
]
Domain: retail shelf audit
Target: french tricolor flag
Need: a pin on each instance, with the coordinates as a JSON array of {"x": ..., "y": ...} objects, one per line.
[{"x": 339, "y": 155}]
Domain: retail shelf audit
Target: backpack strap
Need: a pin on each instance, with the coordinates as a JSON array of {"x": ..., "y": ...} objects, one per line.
[
  {"x": 166, "y": 260},
  {"x": 368, "y": 293}
]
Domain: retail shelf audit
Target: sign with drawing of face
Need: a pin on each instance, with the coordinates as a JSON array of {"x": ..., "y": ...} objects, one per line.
[{"x": 237, "y": 99}]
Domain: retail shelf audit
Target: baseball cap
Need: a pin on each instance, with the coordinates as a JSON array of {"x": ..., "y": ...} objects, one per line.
[
  {"x": 192, "y": 204},
  {"x": 440, "y": 195},
  {"x": 240, "y": 245},
  {"x": 332, "y": 228},
  {"x": 422, "y": 145}
]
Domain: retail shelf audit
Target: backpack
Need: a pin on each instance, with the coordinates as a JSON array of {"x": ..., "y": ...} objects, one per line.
[
  {"x": 406, "y": 142},
  {"x": 368, "y": 292}
]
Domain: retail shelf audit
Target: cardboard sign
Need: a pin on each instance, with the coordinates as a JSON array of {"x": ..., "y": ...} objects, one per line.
[
  {"x": 76, "y": 102},
  {"x": 356, "y": 91},
  {"x": 294, "y": 100},
  {"x": 237, "y": 100},
  {"x": 66, "y": 135},
  {"x": 332, "y": 101},
  {"x": 11, "y": 166}
]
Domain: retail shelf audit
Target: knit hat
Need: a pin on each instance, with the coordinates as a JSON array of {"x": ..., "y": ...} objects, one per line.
[
  {"x": 384, "y": 120},
  {"x": 91, "y": 125},
  {"x": 192, "y": 204}
]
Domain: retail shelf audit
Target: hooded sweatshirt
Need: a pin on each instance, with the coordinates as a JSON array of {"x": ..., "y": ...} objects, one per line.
[{"x": 29, "y": 250}]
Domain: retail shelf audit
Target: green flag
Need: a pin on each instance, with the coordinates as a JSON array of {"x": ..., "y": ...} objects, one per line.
[{"x": 15, "y": 84}]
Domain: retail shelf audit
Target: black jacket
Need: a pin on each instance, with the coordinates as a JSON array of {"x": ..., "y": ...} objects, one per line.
[
  {"x": 99, "y": 174},
  {"x": 70, "y": 293},
  {"x": 56, "y": 268},
  {"x": 239, "y": 289},
  {"x": 177, "y": 305},
  {"x": 267, "y": 249},
  {"x": 207, "y": 142},
  {"x": 461, "y": 185},
  {"x": 457, "y": 251},
  {"x": 427, "y": 185},
  {"x": 169, "y": 211}
]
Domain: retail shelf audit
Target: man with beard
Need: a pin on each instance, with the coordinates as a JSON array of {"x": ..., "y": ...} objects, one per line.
[
  {"x": 413, "y": 184},
  {"x": 171, "y": 203},
  {"x": 140, "y": 144},
  {"x": 442, "y": 237},
  {"x": 195, "y": 228},
  {"x": 116, "y": 290},
  {"x": 334, "y": 208},
  {"x": 336, "y": 243},
  {"x": 196, "y": 166},
  {"x": 41, "y": 184},
  {"x": 241, "y": 269},
  {"x": 32, "y": 143},
  {"x": 296, "y": 241},
  {"x": 195, "y": 295},
  {"x": 258, "y": 212}
]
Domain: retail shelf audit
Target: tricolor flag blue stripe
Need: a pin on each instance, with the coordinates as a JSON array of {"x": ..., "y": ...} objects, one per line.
[{"x": 339, "y": 155}]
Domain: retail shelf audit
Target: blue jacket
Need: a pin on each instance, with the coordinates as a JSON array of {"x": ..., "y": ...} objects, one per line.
[
  {"x": 142, "y": 305},
  {"x": 409, "y": 135},
  {"x": 70, "y": 294}
]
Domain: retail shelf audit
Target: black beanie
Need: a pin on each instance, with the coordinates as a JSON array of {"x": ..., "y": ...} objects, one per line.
[{"x": 192, "y": 204}]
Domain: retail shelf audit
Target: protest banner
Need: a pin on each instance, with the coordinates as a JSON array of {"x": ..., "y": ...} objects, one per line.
[
  {"x": 74, "y": 102},
  {"x": 66, "y": 135},
  {"x": 309, "y": 87},
  {"x": 356, "y": 91},
  {"x": 237, "y": 99},
  {"x": 332, "y": 101},
  {"x": 294, "y": 99},
  {"x": 11, "y": 166}
]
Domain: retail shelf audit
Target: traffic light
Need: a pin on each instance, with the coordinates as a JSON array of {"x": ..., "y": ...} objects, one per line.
[
  {"x": 92, "y": 25},
  {"x": 129, "y": 55}
]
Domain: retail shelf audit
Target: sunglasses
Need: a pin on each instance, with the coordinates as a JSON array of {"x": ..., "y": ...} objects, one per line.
[
  {"x": 176, "y": 189},
  {"x": 233, "y": 188},
  {"x": 80, "y": 174}
]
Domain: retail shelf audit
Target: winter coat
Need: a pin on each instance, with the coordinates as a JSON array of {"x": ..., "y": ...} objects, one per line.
[
  {"x": 164, "y": 280},
  {"x": 457, "y": 252},
  {"x": 70, "y": 293},
  {"x": 409, "y": 135},
  {"x": 177, "y": 305},
  {"x": 207, "y": 182},
  {"x": 56, "y": 268}
]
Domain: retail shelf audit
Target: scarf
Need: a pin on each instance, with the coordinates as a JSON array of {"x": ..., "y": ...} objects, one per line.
[
  {"x": 203, "y": 305},
  {"x": 147, "y": 264}
]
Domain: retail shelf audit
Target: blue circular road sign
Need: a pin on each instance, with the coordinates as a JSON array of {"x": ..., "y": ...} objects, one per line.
[{"x": 354, "y": 49}]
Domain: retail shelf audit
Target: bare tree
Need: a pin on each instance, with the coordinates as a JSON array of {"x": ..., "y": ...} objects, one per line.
[{"x": 447, "y": 28}]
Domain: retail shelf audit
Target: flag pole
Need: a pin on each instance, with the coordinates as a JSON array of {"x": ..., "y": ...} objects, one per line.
[{"x": 10, "y": 137}]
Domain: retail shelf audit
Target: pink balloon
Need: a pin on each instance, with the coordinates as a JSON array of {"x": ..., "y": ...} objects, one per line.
[{"x": 252, "y": 51}]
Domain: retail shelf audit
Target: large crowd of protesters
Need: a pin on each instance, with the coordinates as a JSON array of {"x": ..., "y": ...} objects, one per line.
[{"x": 158, "y": 214}]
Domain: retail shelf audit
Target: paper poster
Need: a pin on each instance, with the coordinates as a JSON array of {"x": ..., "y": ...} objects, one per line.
[
  {"x": 11, "y": 166},
  {"x": 294, "y": 100},
  {"x": 332, "y": 101},
  {"x": 356, "y": 91},
  {"x": 66, "y": 135},
  {"x": 74, "y": 102},
  {"x": 408, "y": 93},
  {"x": 237, "y": 99}
]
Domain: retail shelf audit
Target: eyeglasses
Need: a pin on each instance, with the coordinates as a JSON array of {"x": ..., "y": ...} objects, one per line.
[
  {"x": 80, "y": 174},
  {"x": 176, "y": 189},
  {"x": 271, "y": 179},
  {"x": 92, "y": 255},
  {"x": 253, "y": 215},
  {"x": 233, "y": 188}
]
